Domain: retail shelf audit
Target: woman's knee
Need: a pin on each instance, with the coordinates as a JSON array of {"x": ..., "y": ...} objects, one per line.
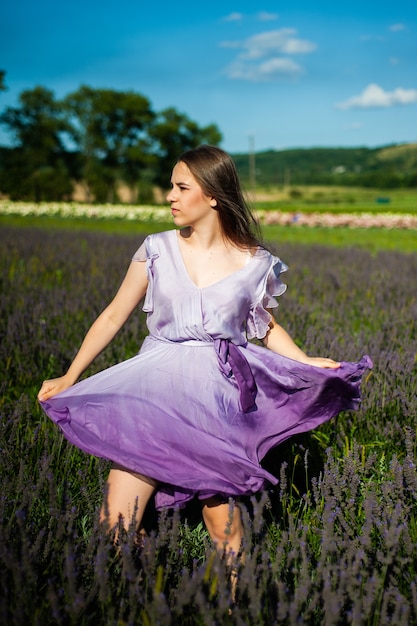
[
  {"x": 223, "y": 522},
  {"x": 126, "y": 497}
]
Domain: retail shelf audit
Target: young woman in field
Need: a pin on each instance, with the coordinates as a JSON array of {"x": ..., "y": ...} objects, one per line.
[{"x": 198, "y": 408}]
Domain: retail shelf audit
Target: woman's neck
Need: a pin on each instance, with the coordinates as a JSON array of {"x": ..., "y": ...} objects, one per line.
[{"x": 204, "y": 238}]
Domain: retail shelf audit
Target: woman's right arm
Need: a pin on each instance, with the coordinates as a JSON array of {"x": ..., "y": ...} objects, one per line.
[{"x": 102, "y": 331}]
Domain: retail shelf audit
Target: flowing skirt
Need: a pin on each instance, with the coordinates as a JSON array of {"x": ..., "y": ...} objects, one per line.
[{"x": 172, "y": 414}]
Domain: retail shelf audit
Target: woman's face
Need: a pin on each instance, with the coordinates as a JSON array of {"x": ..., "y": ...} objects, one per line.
[{"x": 189, "y": 204}]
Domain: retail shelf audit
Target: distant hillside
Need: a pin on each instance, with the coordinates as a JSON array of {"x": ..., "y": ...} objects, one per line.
[{"x": 384, "y": 168}]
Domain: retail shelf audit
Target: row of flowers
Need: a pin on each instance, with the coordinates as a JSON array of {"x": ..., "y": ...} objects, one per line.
[
  {"x": 75, "y": 210},
  {"x": 349, "y": 220},
  {"x": 163, "y": 214}
]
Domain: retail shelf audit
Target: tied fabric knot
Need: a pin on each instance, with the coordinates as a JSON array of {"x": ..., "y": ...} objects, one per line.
[{"x": 232, "y": 361}]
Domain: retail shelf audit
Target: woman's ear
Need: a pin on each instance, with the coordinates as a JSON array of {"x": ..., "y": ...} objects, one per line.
[{"x": 213, "y": 202}]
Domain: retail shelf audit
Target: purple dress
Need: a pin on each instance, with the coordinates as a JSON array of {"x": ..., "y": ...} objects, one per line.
[{"x": 199, "y": 406}]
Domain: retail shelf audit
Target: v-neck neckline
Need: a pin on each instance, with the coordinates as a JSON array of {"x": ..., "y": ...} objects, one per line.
[{"x": 217, "y": 282}]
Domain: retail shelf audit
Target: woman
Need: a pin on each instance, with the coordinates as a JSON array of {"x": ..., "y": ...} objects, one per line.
[{"x": 197, "y": 409}]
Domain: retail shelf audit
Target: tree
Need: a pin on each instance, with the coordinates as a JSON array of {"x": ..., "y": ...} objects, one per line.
[
  {"x": 37, "y": 169},
  {"x": 2, "y": 83},
  {"x": 98, "y": 136},
  {"x": 174, "y": 133},
  {"x": 110, "y": 130}
]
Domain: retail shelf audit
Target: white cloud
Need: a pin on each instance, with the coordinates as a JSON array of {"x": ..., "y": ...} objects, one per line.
[
  {"x": 265, "y": 56},
  {"x": 275, "y": 41},
  {"x": 278, "y": 67},
  {"x": 374, "y": 96},
  {"x": 397, "y": 27},
  {"x": 233, "y": 17},
  {"x": 263, "y": 16},
  {"x": 270, "y": 69}
]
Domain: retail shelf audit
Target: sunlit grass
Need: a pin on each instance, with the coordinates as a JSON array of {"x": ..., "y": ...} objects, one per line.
[
  {"x": 371, "y": 239},
  {"x": 336, "y": 200}
]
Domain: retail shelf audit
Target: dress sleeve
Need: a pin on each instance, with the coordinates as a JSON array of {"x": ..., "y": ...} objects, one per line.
[
  {"x": 141, "y": 253},
  {"x": 259, "y": 318},
  {"x": 146, "y": 253}
]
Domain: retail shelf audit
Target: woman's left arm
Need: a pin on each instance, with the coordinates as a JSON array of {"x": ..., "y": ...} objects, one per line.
[{"x": 278, "y": 340}]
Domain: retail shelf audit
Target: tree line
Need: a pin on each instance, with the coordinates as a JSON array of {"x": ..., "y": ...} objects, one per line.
[
  {"x": 96, "y": 137},
  {"x": 100, "y": 138},
  {"x": 387, "y": 167}
]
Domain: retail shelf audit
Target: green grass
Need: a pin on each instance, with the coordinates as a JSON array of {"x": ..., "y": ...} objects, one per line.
[
  {"x": 336, "y": 200},
  {"x": 116, "y": 226},
  {"x": 372, "y": 239}
]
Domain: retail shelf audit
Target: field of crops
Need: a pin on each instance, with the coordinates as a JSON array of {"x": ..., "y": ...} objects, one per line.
[{"x": 334, "y": 543}]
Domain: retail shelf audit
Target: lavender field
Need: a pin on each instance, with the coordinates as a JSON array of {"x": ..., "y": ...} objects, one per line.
[{"x": 334, "y": 543}]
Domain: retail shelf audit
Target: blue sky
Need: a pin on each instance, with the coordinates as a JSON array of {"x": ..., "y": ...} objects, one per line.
[{"x": 286, "y": 74}]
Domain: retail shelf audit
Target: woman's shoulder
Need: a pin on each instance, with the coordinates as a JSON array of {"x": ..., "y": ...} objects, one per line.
[
  {"x": 154, "y": 244},
  {"x": 267, "y": 256},
  {"x": 269, "y": 263},
  {"x": 159, "y": 239}
]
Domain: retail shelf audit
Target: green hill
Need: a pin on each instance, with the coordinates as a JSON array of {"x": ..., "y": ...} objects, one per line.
[{"x": 385, "y": 167}]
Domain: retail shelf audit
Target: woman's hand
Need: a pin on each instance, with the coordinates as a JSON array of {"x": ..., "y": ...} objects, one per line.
[
  {"x": 278, "y": 340},
  {"x": 53, "y": 386},
  {"x": 318, "y": 361}
]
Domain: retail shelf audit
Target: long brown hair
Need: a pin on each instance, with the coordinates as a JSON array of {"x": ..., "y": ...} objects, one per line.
[{"x": 215, "y": 172}]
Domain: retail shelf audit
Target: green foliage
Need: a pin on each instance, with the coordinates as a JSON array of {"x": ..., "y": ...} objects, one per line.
[
  {"x": 38, "y": 169},
  {"x": 104, "y": 136},
  {"x": 110, "y": 129},
  {"x": 380, "y": 168},
  {"x": 174, "y": 133},
  {"x": 2, "y": 83},
  {"x": 97, "y": 136}
]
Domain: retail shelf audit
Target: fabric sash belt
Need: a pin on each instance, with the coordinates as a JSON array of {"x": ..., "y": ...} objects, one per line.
[{"x": 232, "y": 361}]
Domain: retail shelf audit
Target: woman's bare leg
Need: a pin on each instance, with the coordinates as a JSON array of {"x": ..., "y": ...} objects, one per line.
[
  {"x": 224, "y": 524},
  {"x": 127, "y": 495}
]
